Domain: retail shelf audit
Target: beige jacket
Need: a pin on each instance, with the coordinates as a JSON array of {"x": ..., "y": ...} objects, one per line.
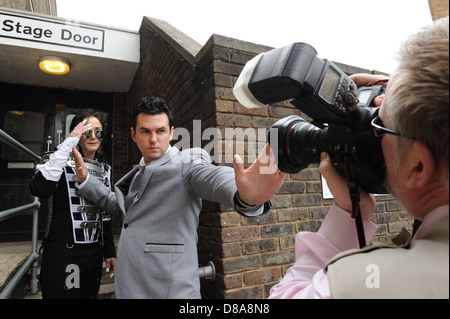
[{"x": 419, "y": 269}]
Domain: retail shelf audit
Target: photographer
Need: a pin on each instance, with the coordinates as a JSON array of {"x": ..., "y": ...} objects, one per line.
[{"x": 413, "y": 121}]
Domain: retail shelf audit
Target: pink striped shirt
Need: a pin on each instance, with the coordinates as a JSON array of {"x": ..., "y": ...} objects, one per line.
[{"x": 306, "y": 279}]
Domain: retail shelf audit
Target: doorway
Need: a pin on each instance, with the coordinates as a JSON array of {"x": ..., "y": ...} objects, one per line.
[{"x": 39, "y": 118}]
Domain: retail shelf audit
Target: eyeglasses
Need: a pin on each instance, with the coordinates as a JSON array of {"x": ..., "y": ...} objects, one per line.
[
  {"x": 98, "y": 134},
  {"x": 379, "y": 130}
]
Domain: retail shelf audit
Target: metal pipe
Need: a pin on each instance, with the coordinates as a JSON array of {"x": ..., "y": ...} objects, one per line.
[
  {"x": 207, "y": 272},
  {"x": 34, "y": 247},
  {"x": 9, "y": 289},
  {"x": 32, "y": 259},
  {"x": 14, "y": 143},
  {"x": 4, "y": 214}
]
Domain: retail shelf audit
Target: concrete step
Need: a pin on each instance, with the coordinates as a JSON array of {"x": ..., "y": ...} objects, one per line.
[
  {"x": 106, "y": 288},
  {"x": 106, "y": 292},
  {"x": 13, "y": 254}
]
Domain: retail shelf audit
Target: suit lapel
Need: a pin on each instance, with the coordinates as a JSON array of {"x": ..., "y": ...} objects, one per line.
[
  {"x": 124, "y": 183},
  {"x": 122, "y": 187},
  {"x": 150, "y": 168}
]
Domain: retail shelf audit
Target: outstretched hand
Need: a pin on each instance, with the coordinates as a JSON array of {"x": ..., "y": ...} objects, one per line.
[
  {"x": 80, "y": 166},
  {"x": 258, "y": 183}
]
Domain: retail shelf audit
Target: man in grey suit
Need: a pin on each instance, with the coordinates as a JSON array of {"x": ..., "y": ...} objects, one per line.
[{"x": 161, "y": 200}]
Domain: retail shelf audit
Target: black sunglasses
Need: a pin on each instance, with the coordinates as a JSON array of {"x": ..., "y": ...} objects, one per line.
[
  {"x": 379, "y": 129},
  {"x": 98, "y": 134}
]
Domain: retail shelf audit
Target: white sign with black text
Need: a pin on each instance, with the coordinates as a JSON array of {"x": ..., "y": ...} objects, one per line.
[{"x": 52, "y": 32}]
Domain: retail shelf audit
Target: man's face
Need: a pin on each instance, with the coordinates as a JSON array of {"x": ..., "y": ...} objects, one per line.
[{"x": 152, "y": 135}]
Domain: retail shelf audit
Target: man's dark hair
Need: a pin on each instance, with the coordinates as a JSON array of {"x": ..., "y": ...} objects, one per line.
[
  {"x": 153, "y": 106},
  {"x": 83, "y": 114}
]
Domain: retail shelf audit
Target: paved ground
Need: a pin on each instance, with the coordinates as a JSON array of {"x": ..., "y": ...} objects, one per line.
[{"x": 12, "y": 255}]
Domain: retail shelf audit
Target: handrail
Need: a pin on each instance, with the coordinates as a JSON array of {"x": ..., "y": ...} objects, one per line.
[
  {"x": 32, "y": 259},
  {"x": 14, "y": 143},
  {"x": 5, "y": 214}
]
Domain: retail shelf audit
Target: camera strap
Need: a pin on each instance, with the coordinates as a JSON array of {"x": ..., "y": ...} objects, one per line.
[{"x": 354, "y": 197}]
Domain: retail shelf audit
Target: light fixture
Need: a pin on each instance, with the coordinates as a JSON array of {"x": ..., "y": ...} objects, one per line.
[
  {"x": 17, "y": 112},
  {"x": 54, "y": 65}
]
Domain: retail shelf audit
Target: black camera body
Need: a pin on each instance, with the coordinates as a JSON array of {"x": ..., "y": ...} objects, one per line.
[{"x": 341, "y": 113}]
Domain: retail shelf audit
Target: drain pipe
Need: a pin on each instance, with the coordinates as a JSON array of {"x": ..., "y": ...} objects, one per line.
[{"x": 207, "y": 272}]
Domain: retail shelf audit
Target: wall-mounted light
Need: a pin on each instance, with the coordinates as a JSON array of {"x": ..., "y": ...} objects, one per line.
[{"x": 54, "y": 65}]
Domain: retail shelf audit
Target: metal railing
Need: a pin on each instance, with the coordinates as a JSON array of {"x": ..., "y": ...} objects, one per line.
[{"x": 32, "y": 259}]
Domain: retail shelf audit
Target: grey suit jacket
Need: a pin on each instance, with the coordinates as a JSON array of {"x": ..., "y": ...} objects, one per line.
[{"x": 157, "y": 251}]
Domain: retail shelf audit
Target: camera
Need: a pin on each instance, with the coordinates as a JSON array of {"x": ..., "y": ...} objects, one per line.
[{"x": 341, "y": 113}]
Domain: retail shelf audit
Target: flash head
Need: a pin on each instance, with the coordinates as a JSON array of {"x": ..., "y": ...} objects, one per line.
[
  {"x": 241, "y": 91},
  {"x": 277, "y": 75},
  {"x": 296, "y": 74}
]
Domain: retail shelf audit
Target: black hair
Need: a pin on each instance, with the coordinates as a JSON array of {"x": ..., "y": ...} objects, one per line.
[
  {"x": 153, "y": 106},
  {"x": 79, "y": 117}
]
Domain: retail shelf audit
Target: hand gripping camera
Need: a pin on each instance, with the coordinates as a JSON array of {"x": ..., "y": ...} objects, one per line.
[{"x": 341, "y": 113}]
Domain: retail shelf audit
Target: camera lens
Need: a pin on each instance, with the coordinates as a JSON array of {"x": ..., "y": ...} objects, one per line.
[{"x": 299, "y": 143}]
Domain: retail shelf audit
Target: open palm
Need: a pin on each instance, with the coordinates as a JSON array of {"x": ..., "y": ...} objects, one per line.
[{"x": 258, "y": 183}]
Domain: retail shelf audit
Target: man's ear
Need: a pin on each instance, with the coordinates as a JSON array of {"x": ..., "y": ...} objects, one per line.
[
  {"x": 171, "y": 133},
  {"x": 422, "y": 166},
  {"x": 133, "y": 135}
]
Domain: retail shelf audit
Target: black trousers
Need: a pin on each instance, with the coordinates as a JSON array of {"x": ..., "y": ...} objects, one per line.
[{"x": 70, "y": 271}]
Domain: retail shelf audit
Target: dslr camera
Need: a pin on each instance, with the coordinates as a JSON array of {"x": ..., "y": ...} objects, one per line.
[{"x": 341, "y": 113}]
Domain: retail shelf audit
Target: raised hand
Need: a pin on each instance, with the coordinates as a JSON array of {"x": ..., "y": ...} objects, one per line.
[
  {"x": 80, "y": 166},
  {"x": 338, "y": 187},
  {"x": 258, "y": 183},
  {"x": 81, "y": 128}
]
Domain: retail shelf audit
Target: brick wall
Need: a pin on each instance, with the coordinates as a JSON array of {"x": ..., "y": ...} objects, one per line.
[
  {"x": 120, "y": 143},
  {"x": 250, "y": 254},
  {"x": 37, "y": 6},
  {"x": 438, "y": 8}
]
